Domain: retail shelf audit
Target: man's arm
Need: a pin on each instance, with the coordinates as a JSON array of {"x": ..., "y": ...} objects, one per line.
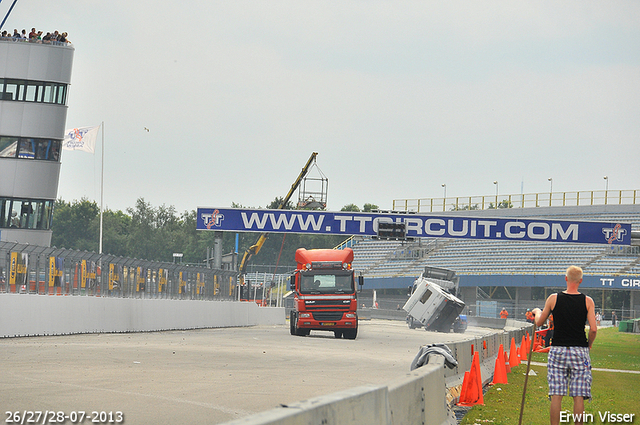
[
  {"x": 591, "y": 319},
  {"x": 540, "y": 316}
]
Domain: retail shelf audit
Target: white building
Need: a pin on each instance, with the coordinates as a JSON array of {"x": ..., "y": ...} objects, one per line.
[{"x": 34, "y": 85}]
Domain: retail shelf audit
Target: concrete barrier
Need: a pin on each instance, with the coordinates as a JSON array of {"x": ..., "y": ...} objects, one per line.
[
  {"x": 486, "y": 322},
  {"x": 423, "y": 396},
  {"x": 27, "y": 315},
  {"x": 417, "y": 398},
  {"x": 420, "y": 396},
  {"x": 361, "y": 405}
]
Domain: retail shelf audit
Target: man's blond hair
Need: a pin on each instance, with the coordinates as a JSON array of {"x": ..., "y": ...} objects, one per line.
[{"x": 574, "y": 274}]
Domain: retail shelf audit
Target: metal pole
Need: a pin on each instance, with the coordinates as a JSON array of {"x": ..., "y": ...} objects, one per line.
[
  {"x": 7, "y": 15},
  {"x": 526, "y": 376},
  {"x": 101, "y": 189}
]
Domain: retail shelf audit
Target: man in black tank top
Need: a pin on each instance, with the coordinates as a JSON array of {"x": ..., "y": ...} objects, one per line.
[{"x": 569, "y": 364}]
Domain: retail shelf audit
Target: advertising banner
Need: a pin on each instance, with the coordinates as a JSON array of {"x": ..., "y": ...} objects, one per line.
[
  {"x": 18, "y": 269},
  {"x": 56, "y": 266},
  {"x": 417, "y": 225},
  {"x": 182, "y": 283},
  {"x": 141, "y": 279},
  {"x": 163, "y": 277},
  {"x": 200, "y": 284},
  {"x": 115, "y": 276}
]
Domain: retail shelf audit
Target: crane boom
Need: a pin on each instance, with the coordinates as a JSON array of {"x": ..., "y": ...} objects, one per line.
[{"x": 255, "y": 248}]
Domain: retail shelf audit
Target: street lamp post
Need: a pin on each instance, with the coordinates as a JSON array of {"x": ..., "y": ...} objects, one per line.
[
  {"x": 550, "y": 190},
  {"x": 606, "y": 188},
  {"x": 444, "y": 200},
  {"x": 496, "y": 183}
]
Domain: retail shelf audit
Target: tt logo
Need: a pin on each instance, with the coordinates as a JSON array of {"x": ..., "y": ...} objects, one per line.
[
  {"x": 615, "y": 234},
  {"x": 213, "y": 220}
]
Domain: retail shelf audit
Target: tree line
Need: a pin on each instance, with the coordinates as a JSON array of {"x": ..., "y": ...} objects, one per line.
[{"x": 156, "y": 232}]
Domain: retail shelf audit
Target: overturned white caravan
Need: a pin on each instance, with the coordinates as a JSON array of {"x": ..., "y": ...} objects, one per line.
[{"x": 432, "y": 303}]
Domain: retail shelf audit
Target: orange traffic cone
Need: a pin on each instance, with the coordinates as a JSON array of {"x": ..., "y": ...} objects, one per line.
[
  {"x": 464, "y": 390},
  {"x": 471, "y": 393},
  {"x": 514, "y": 360},
  {"x": 537, "y": 342},
  {"x": 478, "y": 380},
  {"x": 506, "y": 362},
  {"x": 500, "y": 370},
  {"x": 522, "y": 350}
]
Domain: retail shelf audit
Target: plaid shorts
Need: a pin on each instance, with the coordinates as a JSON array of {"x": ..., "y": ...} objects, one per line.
[{"x": 569, "y": 368}]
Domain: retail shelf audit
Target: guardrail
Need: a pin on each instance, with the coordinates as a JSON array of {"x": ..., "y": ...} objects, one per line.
[
  {"x": 527, "y": 200},
  {"x": 45, "y": 42}
]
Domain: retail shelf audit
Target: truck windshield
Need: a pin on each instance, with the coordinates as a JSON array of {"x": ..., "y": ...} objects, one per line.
[{"x": 326, "y": 283}]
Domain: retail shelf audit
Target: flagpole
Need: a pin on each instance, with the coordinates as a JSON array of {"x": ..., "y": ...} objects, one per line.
[{"x": 101, "y": 187}]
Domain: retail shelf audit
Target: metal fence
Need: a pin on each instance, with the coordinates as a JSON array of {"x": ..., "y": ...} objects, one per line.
[
  {"x": 42, "y": 270},
  {"x": 526, "y": 200},
  {"x": 271, "y": 288}
]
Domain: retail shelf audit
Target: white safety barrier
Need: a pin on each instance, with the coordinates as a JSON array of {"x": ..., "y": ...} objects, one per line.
[
  {"x": 27, "y": 315},
  {"x": 417, "y": 398}
]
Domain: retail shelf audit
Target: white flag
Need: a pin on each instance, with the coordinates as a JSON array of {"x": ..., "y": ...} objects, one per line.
[{"x": 81, "y": 139}]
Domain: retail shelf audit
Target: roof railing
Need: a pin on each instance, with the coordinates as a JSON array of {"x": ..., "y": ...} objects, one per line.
[
  {"x": 526, "y": 200},
  {"x": 44, "y": 42}
]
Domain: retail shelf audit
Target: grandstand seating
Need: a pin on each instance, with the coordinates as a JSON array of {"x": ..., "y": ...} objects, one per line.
[{"x": 377, "y": 258}]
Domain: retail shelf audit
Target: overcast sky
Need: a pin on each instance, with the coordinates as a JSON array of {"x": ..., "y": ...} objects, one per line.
[{"x": 396, "y": 97}]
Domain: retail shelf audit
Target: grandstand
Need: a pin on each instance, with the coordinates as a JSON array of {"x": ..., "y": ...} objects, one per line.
[
  {"x": 393, "y": 265},
  {"x": 377, "y": 259}
]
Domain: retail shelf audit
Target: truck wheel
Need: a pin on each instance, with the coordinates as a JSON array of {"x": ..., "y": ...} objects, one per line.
[
  {"x": 292, "y": 323},
  {"x": 350, "y": 333},
  {"x": 337, "y": 334}
]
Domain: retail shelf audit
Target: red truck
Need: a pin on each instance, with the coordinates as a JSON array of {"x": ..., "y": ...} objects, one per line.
[{"x": 325, "y": 296}]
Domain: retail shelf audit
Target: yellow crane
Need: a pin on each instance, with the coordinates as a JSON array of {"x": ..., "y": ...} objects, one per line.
[{"x": 255, "y": 248}]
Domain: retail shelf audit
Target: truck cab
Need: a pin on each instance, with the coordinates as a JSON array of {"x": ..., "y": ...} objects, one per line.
[
  {"x": 325, "y": 296},
  {"x": 432, "y": 304}
]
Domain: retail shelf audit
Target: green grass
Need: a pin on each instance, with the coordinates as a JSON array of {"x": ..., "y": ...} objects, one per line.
[
  {"x": 612, "y": 391},
  {"x": 611, "y": 350}
]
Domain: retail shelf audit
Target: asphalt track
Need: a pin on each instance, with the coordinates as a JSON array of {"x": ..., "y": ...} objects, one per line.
[{"x": 203, "y": 376}]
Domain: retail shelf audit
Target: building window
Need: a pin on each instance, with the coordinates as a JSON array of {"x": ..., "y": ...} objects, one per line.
[
  {"x": 29, "y": 148},
  {"x": 9, "y": 147},
  {"x": 33, "y": 91},
  {"x": 31, "y": 214}
]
